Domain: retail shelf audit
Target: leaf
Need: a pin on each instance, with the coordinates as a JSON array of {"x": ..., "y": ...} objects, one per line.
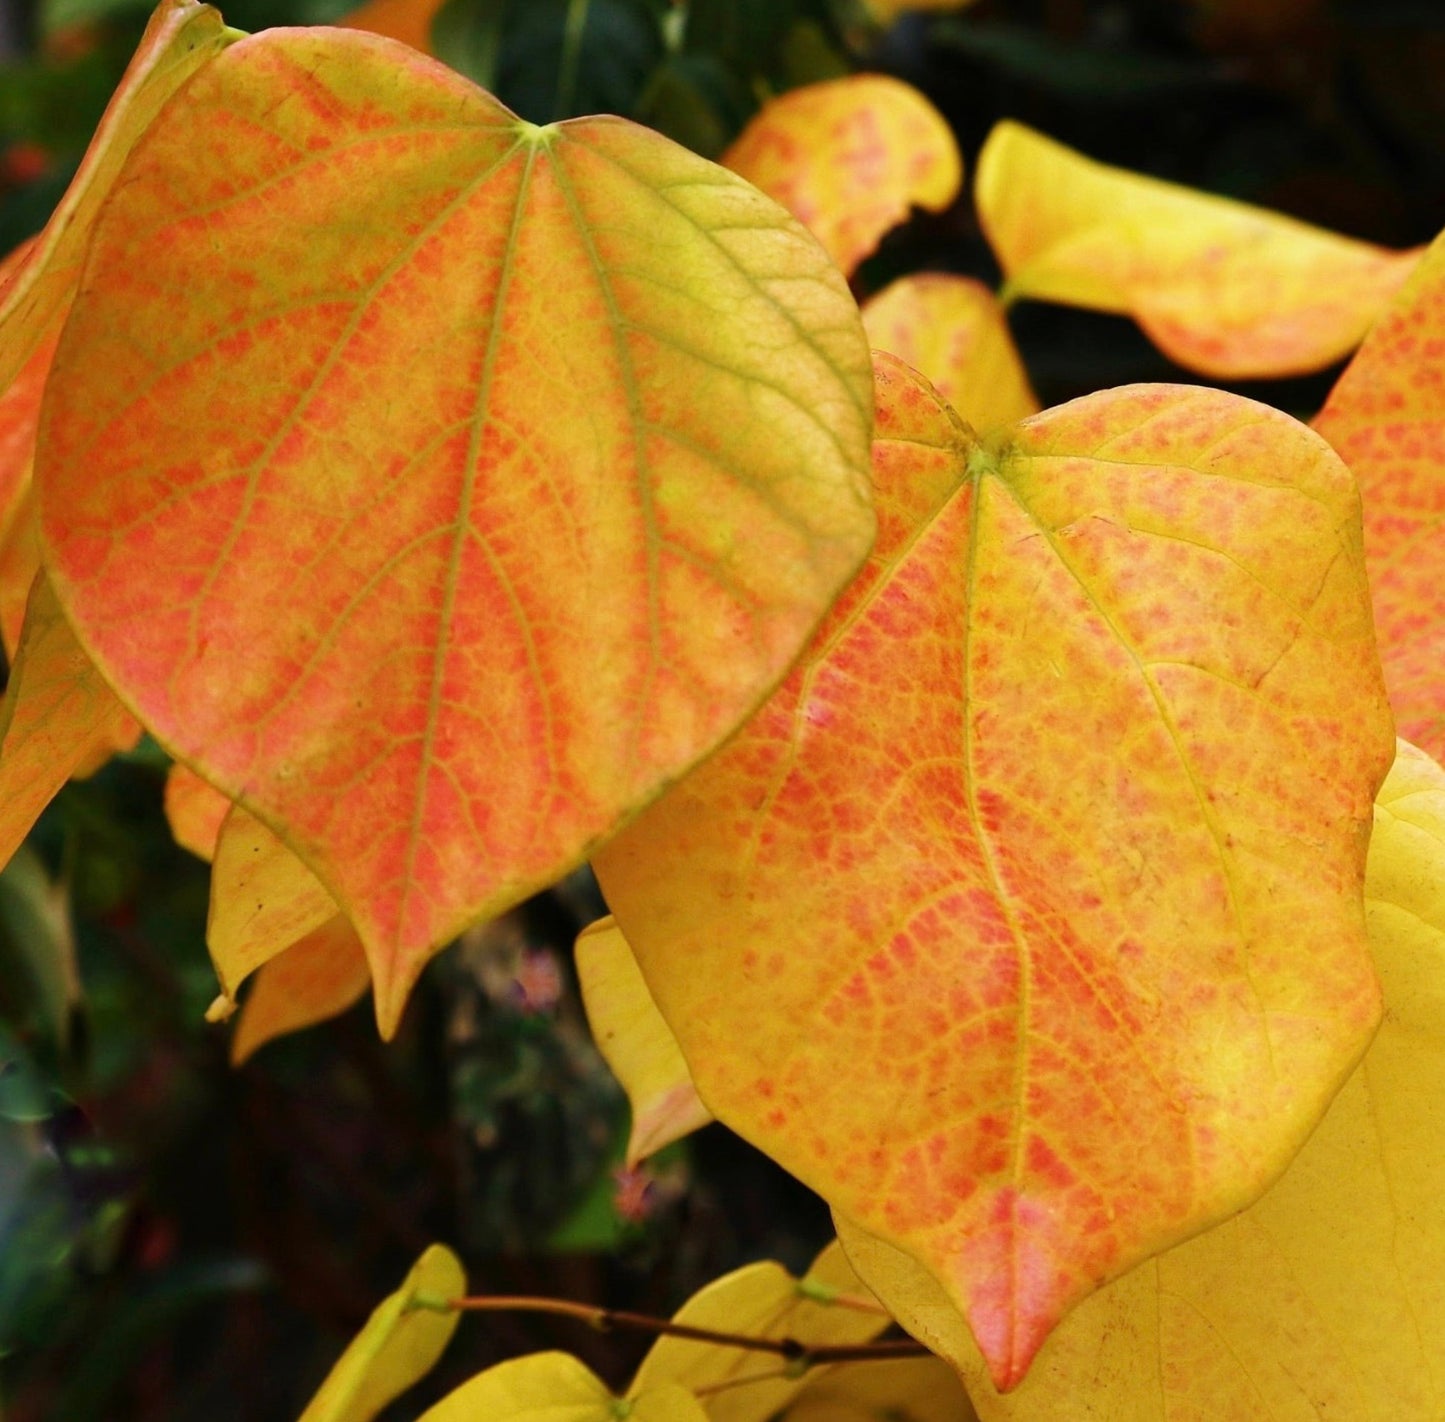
[
  {"x": 1386, "y": 417},
  {"x": 1325, "y": 1297},
  {"x": 1054, "y": 838},
  {"x": 905, "y": 1390},
  {"x": 37, "y": 951},
  {"x": 19, "y": 551},
  {"x": 886, "y": 11},
  {"x": 827, "y": 1306},
  {"x": 636, "y": 1043},
  {"x": 408, "y": 21},
  {"x": 57, "y": 717},
  {"x": 181, "y": 38},
  {"x": 195, "y": 811},
  {"x": 1221, "y": 287},
  {"x": 848, "y": 157},
  {"x": 480, "y": 499},
  {"x": 263, "y": 899},
  {"x": 953, "y": 330},
  {"x": 398, "y": 1345},
  {"x": 555, "y": 1387},
  {"x": 316, "y": 978}
]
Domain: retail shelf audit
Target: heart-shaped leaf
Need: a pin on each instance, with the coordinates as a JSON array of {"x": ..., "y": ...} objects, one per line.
[
  {"x": 849, "y": 157},
  {"x": 1054, "y": 838},
  {"x": 1221, "y": 287},
  {"x": 1386, "y": 417},
  {"x": 1324, "y": 1298},
  {"x": 952, "y": 329},
  {"x": 490, "y": 476}
]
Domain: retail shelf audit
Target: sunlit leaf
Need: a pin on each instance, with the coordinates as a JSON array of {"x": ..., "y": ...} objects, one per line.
[
  {"x": 19, "y": 549},
  {"x": 1386, "y": 416},
  {"x": 952, "y": 329},
  {"x": 399, "y": 1344},
  {"x": 1053, "y": 840},
  {"x": 263, "y": 899},
  {"x": 446, "y": 515},
  {"x": 1221, "y": 287},
  {"x": 317, "y": 978},
  {"x": 849, "y": 157},
  {"x": 195, "y": 811},
  {"x": 556, "y": 1387},
  {"x": 1327, "y": 1296},
  {"x": 905, "y": 1390},
  {"x": 828, "y": 1306},
  {"x": 57, "y": 718},
  {"x": 636, "y": 1043},
  {"x": 34, "y": 294}
]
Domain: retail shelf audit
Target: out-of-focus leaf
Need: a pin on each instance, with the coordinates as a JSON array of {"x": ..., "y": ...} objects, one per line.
[
  {"x": 1033, "y": 851},
  {"x": 886, "y": 11},
  {"x": 398, "y": 1345},
  {"x": 409, "y": 21},
  {"x": 181, "y": 38},
  {"x": 589, "y": 540},
  {"x": 1325, "y": 1297},
  {"x": 263, "y": 899},
  {"x": 1386, "y": 417},
  {"x": 195, "y": 811},
  {"x": 37, "y": 948},
  {"x": 57, "y": 717},
  {"x": 952, "y": 329},
  {"x": 556, "y": 1387},
  {"x": 636, "y": 1043},
  {"x": 316, "y": 978},
  {"x": 849, "y": 158},
  {"x": 902, "y": 1390},
  {"x": 1221, "y": 287},
  {"x": 761, "y": 1301}
]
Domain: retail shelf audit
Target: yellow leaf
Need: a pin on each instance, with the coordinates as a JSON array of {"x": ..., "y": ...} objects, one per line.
[
  {"x": 636, "y": 1043},
  {"x": 848, "y": 157},
  {"x": 886, "y": 11},
  {"x": 1325, "y": 1298},
  {"x": 1221, "y": 287},
  {"x": 952, "y": 329},
  {"x": 899, "y": 1390},
  {"x": 58, "y": 718},
  {"x": 319, "y": 977},
  {"x": 556, "y": 1387},
  {"x": 263, "y": 899},
  {"x": 827, "y": 1306},
  {"x": 398, "y": 1345},
  {"x": 1054, "y": 837}
]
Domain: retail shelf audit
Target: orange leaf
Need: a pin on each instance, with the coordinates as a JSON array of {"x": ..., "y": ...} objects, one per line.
[
  {"x": 409, "y": 21},
  {"x": 469, "y": 482},
  {"x": 1053, "y": 840},
  {"x": 1386, "y": 417},
  {"x": 36, "y": 287},
  {"x": 19, "y": 550},
  {"x": 952, "y": 329},
  {"x": 848, "y": 157},
  {"x": 263, "y": 899},
  {"x": 1220, "y": 287},
  {"x": 317, "y": 978},
  {"x": 195, "y": 811},
  {"x": 58, "y": 718}
]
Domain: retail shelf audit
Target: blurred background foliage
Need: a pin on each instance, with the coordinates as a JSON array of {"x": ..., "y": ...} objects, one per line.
[{"x": 180, "y": 1240}]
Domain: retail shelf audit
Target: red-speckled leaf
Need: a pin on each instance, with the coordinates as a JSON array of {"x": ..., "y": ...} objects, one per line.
[
  {"x": 1053, "y": 841},
  {"x": 469, "y": 481},
  {"x": 849, "y": 157},
  {"x": 1386, "y": 417},
  {"x": 1221, "y": 287},
  {"x": 318, "y": 978},
  {"x": 58, "y": 718},
  {"x": 19, "y": 550},
  {"x": 35, "y": 291},
  {"x": 953, "y": 330}
]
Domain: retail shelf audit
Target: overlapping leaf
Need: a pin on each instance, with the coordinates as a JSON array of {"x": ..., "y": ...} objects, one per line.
[
  {"x": 953, "y": 330},
  {"x": 1327, "y": 1296},
  {"x": 636, "y": 1043},
  {"x": 849, "y": 157},
  {"x": 906, "y": 1390},
  {"x": 491, "y": 474},
  {"x": 195, "y": 811},
  {"x": 1221, "y": 287},
  {"x": 58, "y": 718},
  {"x": 398, "y": 1345},
  {"x": 1386, "y": 416},
  {"x": 1054, "y": 839}
]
